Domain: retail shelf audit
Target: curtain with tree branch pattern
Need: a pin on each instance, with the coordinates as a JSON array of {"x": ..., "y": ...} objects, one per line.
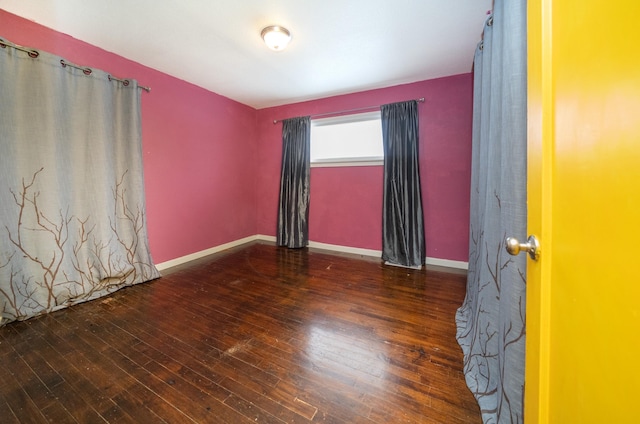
[
  {"x": 491, "y": 321},
  {"x": 72, "y": 212}
]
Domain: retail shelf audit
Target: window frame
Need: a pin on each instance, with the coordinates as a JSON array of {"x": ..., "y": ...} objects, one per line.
[{"x": 354, "y": 160}]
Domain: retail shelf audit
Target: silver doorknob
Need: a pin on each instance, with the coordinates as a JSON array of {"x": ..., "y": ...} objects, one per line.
[{"x": 532, "y": 246}]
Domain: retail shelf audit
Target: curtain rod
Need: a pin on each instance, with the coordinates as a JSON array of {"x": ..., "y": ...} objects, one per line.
[
  {"x": 87, "y": 71},
  {"x": 360, "y": 109}
]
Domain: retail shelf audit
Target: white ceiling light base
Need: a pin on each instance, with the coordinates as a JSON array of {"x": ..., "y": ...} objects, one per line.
[{"x": 276, "y": 37}]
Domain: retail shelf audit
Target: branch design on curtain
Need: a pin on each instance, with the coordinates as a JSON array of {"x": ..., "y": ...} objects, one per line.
[
  {"x": 492, "y": 320},
  {"x": 73, "y": 225},
  {"x": 293, "y": 210},
  {"x": 402, "y": 223}
]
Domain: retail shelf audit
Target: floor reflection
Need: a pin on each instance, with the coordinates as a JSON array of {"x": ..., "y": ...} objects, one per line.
[{"x": 345, "y": 352}]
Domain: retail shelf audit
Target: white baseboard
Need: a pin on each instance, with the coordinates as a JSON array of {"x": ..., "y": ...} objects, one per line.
[
  {"x": 313, "y": 244},
  {"x": 346, "y": 249},
  {"x": 201, "y": 254},
  {"x": 332, "y": 247},
  {"x": 447, "y": 263},
  {"x": 266, "y": 238},
  {"x": 378, "y": 253}
]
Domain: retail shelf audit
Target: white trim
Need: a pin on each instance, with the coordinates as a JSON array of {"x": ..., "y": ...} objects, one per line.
[
  {"x": 266, "y": 238},
  {"x": 313, "y": 244},
  {"x": 201, "y": 254},
  {"x": 346, "y": 249},
  {"x": 378, "y": 253},
  {"x": 448, "y": 263},
  {"x": 331, "y": 136},
  {"x": 350, "y": 162},
  {"x": 374, "y": 115}
]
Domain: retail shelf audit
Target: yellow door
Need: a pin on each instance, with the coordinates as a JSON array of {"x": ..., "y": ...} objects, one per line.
[{"x": 583, "y": 295}]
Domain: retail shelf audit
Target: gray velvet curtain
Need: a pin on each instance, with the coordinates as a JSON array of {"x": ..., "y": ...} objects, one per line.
[
  {"x": 491, "y": 321},
  {"x": 72, "y": 212},
  {"x": 402, "y": 223},
  {"x": 293, "y": 211}
]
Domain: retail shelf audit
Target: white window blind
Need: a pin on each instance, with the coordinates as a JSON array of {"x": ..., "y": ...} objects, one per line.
[{"x": 349, "y": 140}]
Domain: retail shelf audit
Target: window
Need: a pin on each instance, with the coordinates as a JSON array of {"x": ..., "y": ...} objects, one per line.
[{"x": 350, "y": 140}]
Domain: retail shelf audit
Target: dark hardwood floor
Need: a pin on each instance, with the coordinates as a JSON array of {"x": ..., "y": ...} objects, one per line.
[{"x": 254, "y": 334}]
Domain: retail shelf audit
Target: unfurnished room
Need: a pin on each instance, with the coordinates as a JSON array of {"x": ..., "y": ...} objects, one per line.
[{"x": 300, "y": 211}]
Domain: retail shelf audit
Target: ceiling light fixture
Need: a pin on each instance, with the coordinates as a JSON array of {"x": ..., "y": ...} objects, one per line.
[{"x": 276, "y": 37}]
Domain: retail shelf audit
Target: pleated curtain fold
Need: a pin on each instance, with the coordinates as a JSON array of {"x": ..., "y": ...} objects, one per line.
[
  {"x": 492, "y": 320},
  {"x": 403, "y": 240},
  {"x": 293, "y": 209}
]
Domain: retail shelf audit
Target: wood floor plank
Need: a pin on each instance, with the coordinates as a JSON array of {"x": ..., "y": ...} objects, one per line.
[
  {"x": 276, "y": 407},
  {"x": 101, "y": 354},
  {"x": 29, "y": 396},
  {"x": 6, "y": 413},
  {"x": 253, "y": 334}
]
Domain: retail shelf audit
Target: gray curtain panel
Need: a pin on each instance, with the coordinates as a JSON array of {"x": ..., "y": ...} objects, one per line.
[
  {"x": 293, "y": 211},
  {"x": 402, "y": 219},
  {"x": 491, "y": 321},
  {"x": 72, "y": 212}
]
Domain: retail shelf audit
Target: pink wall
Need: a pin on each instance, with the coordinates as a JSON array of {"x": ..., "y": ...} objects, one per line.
[
  {"x": 198, "y": 160},
  {"x": 212, "y": 165},
  {"x": 346, "y": 203}
]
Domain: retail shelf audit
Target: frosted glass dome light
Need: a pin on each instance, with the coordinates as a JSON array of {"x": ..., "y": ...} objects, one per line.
[{"x": 276, "y": 37}]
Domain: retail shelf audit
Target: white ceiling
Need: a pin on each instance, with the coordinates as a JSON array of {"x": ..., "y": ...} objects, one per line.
[{"x": 338, "y": 46}]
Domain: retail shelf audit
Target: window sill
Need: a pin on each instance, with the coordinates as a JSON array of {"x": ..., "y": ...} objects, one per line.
[{"x": 342, "y": 163}]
